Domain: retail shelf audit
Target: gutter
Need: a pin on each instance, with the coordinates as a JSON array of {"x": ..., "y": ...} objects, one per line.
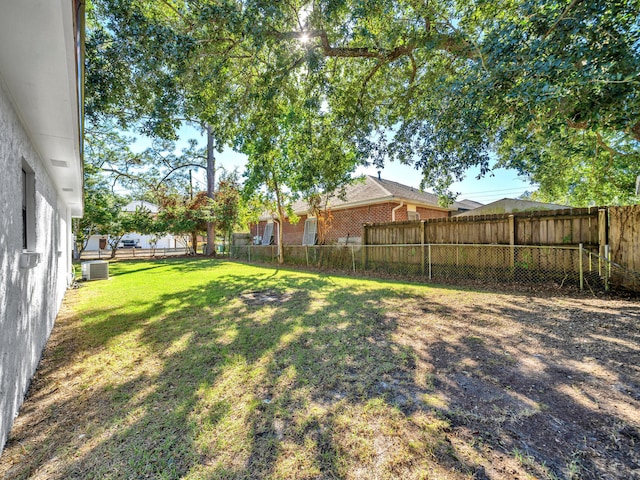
[
  {"x": 378, "y": 201},
  {"x": 79, "y": 37},
  {"x": 393, "y": 212}
]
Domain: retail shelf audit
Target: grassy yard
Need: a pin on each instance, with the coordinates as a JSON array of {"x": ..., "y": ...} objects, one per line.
[{"x": 210, "y": 369}]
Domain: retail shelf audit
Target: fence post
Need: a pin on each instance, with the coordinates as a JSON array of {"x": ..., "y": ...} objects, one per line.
[
  {"x": 364, "y": 246},
  {"x": 306, "y": 252},
  {"x": 422, "y": 247},
  {"x": 606, "y": 267},
  {"x": 512, "y": 242},
  {"x": 429, "y": 251},
  {"x": 353, "y": 258},
  {"x": 602, "y": 237},
  {"x": 249, "y": 253},
  {"x": 580, "y": 267}
]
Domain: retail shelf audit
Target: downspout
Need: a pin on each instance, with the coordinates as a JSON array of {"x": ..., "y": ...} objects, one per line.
[{"x": 393, "y": 212}]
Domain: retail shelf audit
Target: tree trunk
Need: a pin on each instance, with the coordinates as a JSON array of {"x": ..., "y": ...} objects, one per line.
[
  {"x": 280, "y": 233},
  {"x": 211, "y": 180},
  {"x": 194, "y": 242},
  {"x": 114, "y": 246}
]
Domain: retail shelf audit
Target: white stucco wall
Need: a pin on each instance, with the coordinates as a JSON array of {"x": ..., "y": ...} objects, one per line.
[{"x": 29, "y": 297}]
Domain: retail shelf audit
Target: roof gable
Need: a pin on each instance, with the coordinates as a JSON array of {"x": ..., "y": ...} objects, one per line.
[
  {"x": 133, "y": 206},
  {"x": 399, "y": 190},
  {"x": 511, "y": 205},
  {"x": 370, "y": 190}
]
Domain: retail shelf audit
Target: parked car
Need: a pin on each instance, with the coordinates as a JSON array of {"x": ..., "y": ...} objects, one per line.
[{"x": 129, "y": 244}]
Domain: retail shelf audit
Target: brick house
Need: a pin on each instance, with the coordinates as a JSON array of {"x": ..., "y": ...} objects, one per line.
[{"x": 371, "y": 200}]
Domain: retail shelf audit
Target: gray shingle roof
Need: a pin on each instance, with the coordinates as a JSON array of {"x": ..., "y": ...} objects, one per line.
[
  {"x": 370, "y": 189},
  {"x": 467, "y": 204},
  {"x": 511, "y": 205}
]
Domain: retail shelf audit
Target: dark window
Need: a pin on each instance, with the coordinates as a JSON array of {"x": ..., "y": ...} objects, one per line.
[
  {"x": 28, "y": 185},
  {"x": 24, "y": 209}
]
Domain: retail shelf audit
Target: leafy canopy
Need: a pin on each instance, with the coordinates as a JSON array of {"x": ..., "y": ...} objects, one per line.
[{"x": 550, "y": 87}]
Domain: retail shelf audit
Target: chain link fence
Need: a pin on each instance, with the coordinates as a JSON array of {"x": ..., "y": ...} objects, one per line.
[
  {"x": 564, "y": 266},
  {"x": 615, "y": 275},
  {"x": 128, "y": 253}
]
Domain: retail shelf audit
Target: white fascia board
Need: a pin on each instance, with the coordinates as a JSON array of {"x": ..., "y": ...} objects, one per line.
[{"x": 38, "y": 72}]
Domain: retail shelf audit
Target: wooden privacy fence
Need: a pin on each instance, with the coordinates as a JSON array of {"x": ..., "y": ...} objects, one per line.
[
  {"x": 552, "y": 227},
  {"x": 609, "y": 232},
  {"x": 624, "y": 246},
  {"x": 590, "y": 247}
]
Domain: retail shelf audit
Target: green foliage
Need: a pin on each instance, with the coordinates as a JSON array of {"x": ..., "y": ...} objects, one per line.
[
  {"x": 581, "y": 172},
  {"x": 158, "y": 170},
  {"x": 229, "y": 209},
  {"x": 182, "y": 216},
  {"x": 441, "y": 85},
  {"x": 102, "y": 210}
]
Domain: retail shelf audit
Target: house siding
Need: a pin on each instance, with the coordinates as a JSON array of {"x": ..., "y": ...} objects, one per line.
[
  {"x": 427, "y": 213},
  {"x": 168, "y": 241},
  {"x": 348, "y": 222},
  {"x": 29, "y": 297}
]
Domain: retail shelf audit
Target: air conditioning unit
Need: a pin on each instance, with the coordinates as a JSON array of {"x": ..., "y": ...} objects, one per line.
[{"x": 95, "y": 270}]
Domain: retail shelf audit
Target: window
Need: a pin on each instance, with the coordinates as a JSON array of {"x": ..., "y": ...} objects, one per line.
[
  {"x": 310, "y": 236},
  {"x": 267, "y": 237},
  {"x": 24, "y": 209},
  {"x": 28, "y": 187},
  {"x": 413, "y": 215}
]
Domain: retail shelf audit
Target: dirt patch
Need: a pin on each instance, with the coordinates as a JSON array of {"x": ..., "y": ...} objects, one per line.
[
  {"x": 552, "y": 383},
  {"x": 264, "y": 297}
]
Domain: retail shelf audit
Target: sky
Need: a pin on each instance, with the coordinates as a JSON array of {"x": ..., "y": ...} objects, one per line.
[{"x": 500, "y": 184}]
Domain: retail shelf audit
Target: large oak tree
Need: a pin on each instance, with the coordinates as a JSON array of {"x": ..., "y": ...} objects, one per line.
[{"x": 548, "y": 87}]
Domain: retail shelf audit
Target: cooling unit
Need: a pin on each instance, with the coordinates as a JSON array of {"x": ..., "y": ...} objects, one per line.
[{"x": 95, "y": 270}]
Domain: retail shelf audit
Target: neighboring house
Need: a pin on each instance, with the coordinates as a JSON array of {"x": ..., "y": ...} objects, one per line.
[
  {"x": 142, "y": 204},
  {"x": 370, "y": 200},
  {"x": 466, "y": 205},
  {"x": 40, "y": 180},
  {"x": 511, "y": 205},
  {"x": 101, "y": 242}
]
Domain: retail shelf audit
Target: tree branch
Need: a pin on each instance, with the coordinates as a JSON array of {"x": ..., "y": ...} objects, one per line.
[
  {"x": 414, "y": 68},
  {"x": 366, "y": 80},
  {"x": 635, "y": 131},
  {"x": 454, "y": 44},
  {"x": 561, "y": 17},
  {"x": 606, "y": 147},
  {"x": 194, "y": 165}
]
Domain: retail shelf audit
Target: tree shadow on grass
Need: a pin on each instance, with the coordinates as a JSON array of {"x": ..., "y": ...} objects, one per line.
[
  {"x": 213, "y": 361},
  {"x": 285, "y": 376}
]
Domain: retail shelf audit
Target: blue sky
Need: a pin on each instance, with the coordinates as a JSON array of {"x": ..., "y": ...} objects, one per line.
[{"x": 503, "y": 183}]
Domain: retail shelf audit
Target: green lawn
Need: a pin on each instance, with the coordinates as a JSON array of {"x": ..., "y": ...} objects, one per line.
[
  {"x": 213, "y": 369},
  {"x": 209, "y": 369}
]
